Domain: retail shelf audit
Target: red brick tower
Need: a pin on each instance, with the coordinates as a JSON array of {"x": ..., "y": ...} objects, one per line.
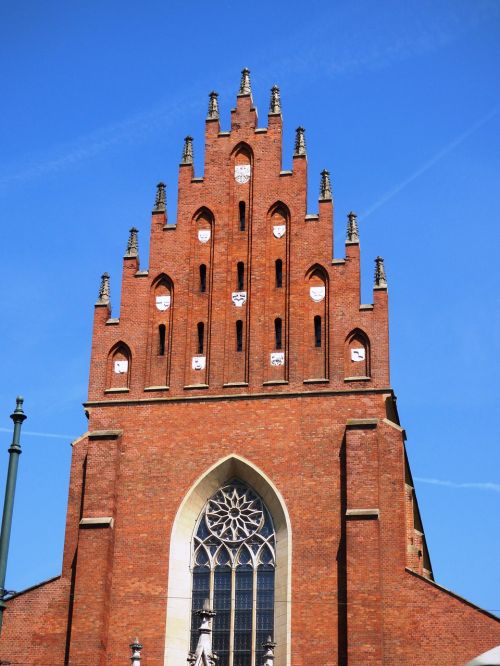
[{"x": 243, "y": 446}]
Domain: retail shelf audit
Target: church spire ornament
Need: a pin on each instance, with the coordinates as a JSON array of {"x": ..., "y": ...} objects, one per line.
[
  {"x": 275, "y": 102},
  {"x": 136, "y": 648},
  {"x": 203, "y": 655},
  {"x": 133, "y": 243},
  {"x": 187, "y": 152},
  {"x": 380, "y": 276},
  {"x": 268, "y": 646},
  {"x": 325, "y": 190},
  {"x": 300, "y": 142},
  {"x": 103, "y": 298},
  {"x": 213, "y": 106},
  {"x": 160, "y": 199},
  {"x": 245, "y": 87},
  {"x": 352, "y": 228}
]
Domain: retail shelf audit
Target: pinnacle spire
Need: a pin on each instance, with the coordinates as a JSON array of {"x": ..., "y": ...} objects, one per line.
[
  {"x": 203, "y": 655},
  {"x": 352, "y": 228},
  {"x": 245, "y": 87},
  {"x": 275, "y": 102},
  {"x": 187, "y": 152},
  {"x": 380, "y": 276},
  {"x": 133, "y": 243},
  {"x": 300, "y": 142},
  {"x": 103, "y": 298},
  {"x": 213, "y": 106},
  {"x": 160, "y": 199},
  {"x": 325, "y": 190},
  {"x": 268, "y": 646},
  {"x": 136, "y": 648}
]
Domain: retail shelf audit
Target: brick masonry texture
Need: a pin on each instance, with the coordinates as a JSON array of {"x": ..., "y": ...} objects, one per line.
[{"x": 322, "y": 427}]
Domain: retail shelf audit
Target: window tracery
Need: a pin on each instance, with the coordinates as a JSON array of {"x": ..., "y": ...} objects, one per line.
[{"x": 234, "y": 561}]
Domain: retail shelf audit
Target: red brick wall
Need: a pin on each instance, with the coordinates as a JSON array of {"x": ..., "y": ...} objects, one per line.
[{"x": 271, "y": 197}]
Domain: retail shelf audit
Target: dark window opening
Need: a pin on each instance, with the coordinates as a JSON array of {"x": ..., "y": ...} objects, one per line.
[
  {"x": 279, "y": 273},
  {"x": 278, "y": 327},
  {"x": 242, "y": 215},
  {"x": 203, "y": 278},
  {"x": 239, "y": 335},
  {"x": 201, "y": 336},
  {"x": 241, "y": 275},
  {"x": 317, "y": 331},
  {"x": 161, "y": 335}
]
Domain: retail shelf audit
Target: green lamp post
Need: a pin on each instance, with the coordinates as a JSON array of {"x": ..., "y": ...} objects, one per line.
[{"x": 18, "y": 417}]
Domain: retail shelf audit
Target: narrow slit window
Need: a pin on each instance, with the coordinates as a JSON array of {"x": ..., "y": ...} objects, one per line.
[
  {"x": 278, "y": 330},
  {"x": 279, "y": 273},
  {"x": 203, "y": 278},
  {"x": 201, "y": 337},
  {"x": 317, "y": 331},
  {"x": 239, "y": 335},
  {"x": 241, "y": 208},
  {"x": 161, "y": 339},
  {"x": 241, "y": 275}
]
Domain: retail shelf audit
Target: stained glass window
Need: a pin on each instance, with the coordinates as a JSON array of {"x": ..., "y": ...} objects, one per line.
[{"x": 233, "y": 567}]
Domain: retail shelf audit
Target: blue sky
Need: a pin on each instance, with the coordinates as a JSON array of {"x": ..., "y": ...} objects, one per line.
[{"x": 400, "y": 100}]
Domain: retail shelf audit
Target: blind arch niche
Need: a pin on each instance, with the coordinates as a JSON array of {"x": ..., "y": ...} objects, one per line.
[{"x": 179, "y": 593}]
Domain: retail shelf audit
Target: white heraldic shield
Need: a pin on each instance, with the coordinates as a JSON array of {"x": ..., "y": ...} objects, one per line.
[
  {"x": 242, "y": 173},
  {"x": 198, "y": 362},
  {"x": 279, "y": 230},
  {"x": 163, "y": 303},
  {"x": 121, "y": 367},
  {"x": 278, "y": 358},
  {"x": 239, "y": 297},
  {"x": 317, "y": 293},
  {"x": 204, "y": 235},
  {"x": 358, "y": 354}
]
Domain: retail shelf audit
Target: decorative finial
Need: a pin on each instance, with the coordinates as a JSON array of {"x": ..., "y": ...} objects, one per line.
[
  {"x": 203, "y": 655},
  {"x": 380, "y": 277},
  {"x": 160, "y": 199},
  {"x": 325, "y": 189},
  {"x": 18, "y": 414},
  {"x": 133, "y": 244},
  {"x": 245, "y": 88},
  {"x": 136, "y": 648},
  {"x": 275, "y": 103},
  {"x": 103, "y": 298},
  {"x": 187, "y": 153},
  {"x": 213, "y": 106},
  {"x": 269, "y": 646},
  {"x": 352, "y": 228},
  {"x": 300, "y": 142}
]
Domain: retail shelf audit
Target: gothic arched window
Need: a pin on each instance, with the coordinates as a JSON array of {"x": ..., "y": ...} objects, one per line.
[{"x": 233, "y": 567}]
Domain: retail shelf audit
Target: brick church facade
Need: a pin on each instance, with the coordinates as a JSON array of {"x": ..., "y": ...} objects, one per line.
[{"x": 244, "y": 451}]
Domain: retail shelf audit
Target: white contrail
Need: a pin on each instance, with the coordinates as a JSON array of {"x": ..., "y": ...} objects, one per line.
[
  {"x": 430, "y": 163},
  {"x": 477, "y": 485},
  {"x": 50, "y": 435}
]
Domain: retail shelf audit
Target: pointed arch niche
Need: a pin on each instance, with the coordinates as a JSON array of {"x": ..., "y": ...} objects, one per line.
[
  {"x": 316, "y": 324},
  {"x": 357, "y": 356},
  {"x": 239, "y": 234},
  {"x": 201, "y": 267},
  {"x": 277, "y": 293},
  {"x": 118, "y": 369},
  {"x": 178, "y": 624},
  {"x": 160, "y": 339}
]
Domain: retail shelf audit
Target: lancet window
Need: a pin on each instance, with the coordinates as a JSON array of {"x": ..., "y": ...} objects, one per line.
[{"x": 233, "y": 567}]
